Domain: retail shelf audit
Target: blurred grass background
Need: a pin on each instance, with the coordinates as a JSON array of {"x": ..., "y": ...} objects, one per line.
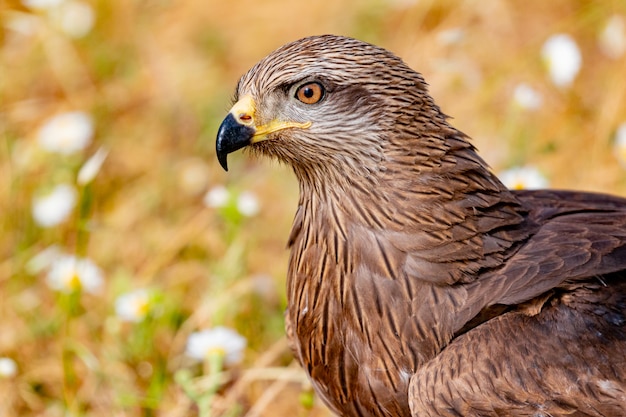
[{"x": 157, "y": 77}]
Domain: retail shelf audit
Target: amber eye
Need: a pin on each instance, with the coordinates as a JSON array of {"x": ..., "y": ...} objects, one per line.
[{"x": 310, "y": 93}]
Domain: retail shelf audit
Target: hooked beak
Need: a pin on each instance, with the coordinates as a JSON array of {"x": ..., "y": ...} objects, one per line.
[{"x": 239, "y": 129}]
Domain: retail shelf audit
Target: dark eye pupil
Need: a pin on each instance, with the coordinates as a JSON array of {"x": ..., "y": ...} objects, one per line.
[{"x": 308, "y": 92}]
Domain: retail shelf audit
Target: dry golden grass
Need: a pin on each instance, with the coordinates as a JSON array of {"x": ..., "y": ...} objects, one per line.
[{"x": 157, "y": 77}]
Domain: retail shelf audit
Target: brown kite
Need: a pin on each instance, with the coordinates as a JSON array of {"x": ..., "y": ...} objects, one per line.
[{"x": 418, "y": 284}]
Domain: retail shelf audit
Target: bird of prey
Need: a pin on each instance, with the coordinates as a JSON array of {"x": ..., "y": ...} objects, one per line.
[{"x": 418, "y": 284}]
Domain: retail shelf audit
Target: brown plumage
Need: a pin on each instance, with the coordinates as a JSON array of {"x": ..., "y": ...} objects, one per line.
[{"x": 418, "y": 284}]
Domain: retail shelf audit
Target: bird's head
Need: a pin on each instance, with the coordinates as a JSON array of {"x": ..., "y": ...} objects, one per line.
[
  {"x": 325, "y": 102},
  {"x": 362, "y": 134}
]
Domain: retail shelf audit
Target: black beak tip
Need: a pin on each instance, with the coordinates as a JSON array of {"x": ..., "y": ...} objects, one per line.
[
  {"x": 222, "y": 157},
  {"x": 231, "y": 136}
]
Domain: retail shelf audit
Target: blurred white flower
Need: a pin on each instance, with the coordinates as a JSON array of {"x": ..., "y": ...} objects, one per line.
[
  {"x": 612, "y": 39},
  {"x": 74, "y": 18},
  {"x": 23, "y": 23},
  {"x": 563, "y": 59},
  {"x": 69, "y": 274},
  {"x": 193, "y": 175},
  {"x": 8, "y": 367},
  {"x": 133, "y": 306},
  {"x": 217, "y": 196},
  {"x": 54, "y": 208},
  {"x": 521, "y": 178},
  {"x": 90, "y": 169},
  {"x": 220, "y": 340},
  {"x": 27, "y": 300},
  {"x": 66, "y": 133},
  {"x": 527, "y": 97},
  {"x": 264, "y": 286},
  {"x": 248, "y": 204},
  {"x": 619, "y": 146},
  {"x": 41, "y": 4},
  {"x": 450, "y": 36}
]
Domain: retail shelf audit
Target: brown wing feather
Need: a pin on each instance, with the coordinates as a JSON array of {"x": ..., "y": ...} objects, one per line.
[
  {"x": 567, "y": 361},
  {"x": 559, "y": 351},
  {"x": 581, "y": 236}
]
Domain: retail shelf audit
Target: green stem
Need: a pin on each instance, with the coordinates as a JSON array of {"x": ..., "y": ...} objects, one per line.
[
  {"x": 69, "y": 305},
  {"x": 83, "y": 231},
  {"x": 215, "y": 362}
]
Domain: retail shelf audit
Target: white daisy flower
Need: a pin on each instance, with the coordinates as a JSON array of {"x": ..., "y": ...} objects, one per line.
[
  {"x": 563, "y": 59},
  {"x": 248, "y": 204},
  {"x": 90, "y": 169},
  {"x": 220, "y": 340},
  {"x": 66, "y": 133},
  {"x": 612, "y": 39},
  {"x": 69, "y": 274},
  {"x": 619, "y": 147},
  {"x": 74, "y": 18},
  {"x": 54, "y": 208},
  {"x": 527, "y": 97},
  {"x": 217, "y": 196},
  {"x": 133, "y": 306},
  {"x": 523, "y": 178},
  {"x": 8, "y": 367}
]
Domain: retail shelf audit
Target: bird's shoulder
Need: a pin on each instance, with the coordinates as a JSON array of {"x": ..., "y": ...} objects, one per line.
[{"x": 515, "y": 248}]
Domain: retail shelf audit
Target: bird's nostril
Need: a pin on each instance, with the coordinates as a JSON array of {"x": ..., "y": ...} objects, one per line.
[{"x": 245, "y": 117}]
